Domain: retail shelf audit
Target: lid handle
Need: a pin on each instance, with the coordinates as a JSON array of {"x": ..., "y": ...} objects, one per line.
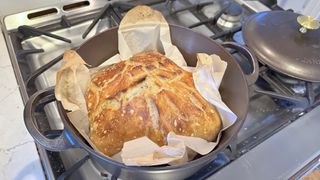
[{"x": 307, "y": 22}]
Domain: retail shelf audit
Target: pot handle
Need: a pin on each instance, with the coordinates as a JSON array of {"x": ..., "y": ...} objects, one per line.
[
  {"x": 36, "y": 101},
  {"x": 253, "y": 76}
]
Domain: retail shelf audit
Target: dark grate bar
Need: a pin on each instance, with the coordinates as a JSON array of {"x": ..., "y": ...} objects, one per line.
[
  {"x": 115, "y": 14},
  {"x": 152, "y": 2},
  {"x": 101, "y": 14},
  {"x": 24, "y": 52},
  {"x": 226, "y": 32},
  {"x": 123, "y": 6},
  {"x": 30, "y": 81},
  {"x": 28, "y": 31},
  {"x": 115, "y": 11},
  {"x": 191, "y": 7},
  {"x": 76, "y": 166},
  {"x": 65, "y": 22}
]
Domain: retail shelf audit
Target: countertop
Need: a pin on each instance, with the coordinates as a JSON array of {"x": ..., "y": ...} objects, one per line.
[
  {"x": 19, "y": 159},
  {"x": 281, "y": 155}
]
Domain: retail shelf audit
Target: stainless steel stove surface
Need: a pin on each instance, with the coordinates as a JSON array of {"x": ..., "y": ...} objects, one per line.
[{"x": 275, "y": 100}]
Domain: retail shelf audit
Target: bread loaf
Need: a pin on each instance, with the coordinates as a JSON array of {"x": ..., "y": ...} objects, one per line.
[{"x": 147, "y": 95}]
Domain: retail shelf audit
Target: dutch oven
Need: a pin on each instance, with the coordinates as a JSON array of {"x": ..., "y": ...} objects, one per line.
[
  {"x": 287, "y": 42},
  {"x": 234, "y": 92}
]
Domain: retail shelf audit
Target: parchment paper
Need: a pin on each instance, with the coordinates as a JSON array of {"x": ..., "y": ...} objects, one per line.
[{"x": 144, "y": 29}]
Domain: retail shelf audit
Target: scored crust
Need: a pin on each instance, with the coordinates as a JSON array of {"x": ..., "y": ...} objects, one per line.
[{"x": 147, "y": 95}]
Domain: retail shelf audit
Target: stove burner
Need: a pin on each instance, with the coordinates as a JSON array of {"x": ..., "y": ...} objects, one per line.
[
  {"x": 234, "y": 10},
  {"x": 212, "y": 20},
  {"x": 231, "y": 17}
]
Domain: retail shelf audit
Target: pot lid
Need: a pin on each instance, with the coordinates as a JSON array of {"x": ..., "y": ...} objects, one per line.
[{"x": 284, "y": 44}]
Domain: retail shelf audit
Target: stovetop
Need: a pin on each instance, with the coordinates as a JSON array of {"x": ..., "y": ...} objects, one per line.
[{"x": 36, "y": 39}]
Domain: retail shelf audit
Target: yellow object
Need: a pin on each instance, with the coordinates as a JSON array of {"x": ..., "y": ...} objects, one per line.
[{"x": 307, "y": 22}]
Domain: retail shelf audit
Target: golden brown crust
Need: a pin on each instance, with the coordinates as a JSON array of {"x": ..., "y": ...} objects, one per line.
[{"x": 147, "y": 95}]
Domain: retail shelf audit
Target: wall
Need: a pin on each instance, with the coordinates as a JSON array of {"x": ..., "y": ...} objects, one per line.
[{"x": 305, "y": 7}]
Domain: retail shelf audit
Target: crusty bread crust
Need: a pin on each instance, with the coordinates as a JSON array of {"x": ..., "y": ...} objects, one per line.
[{"x": 147, "y": 95}]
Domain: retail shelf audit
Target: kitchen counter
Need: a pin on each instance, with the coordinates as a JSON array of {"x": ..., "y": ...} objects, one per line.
[
  {"x": 19, "y": 157},
  {"x": 280, "y": 156}
]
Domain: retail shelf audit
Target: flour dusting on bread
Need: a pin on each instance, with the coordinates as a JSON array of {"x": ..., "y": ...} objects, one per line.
[{"x": 147, "y": 95}]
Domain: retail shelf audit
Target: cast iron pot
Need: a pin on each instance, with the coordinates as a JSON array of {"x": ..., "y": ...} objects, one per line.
[
  {"x": 276, "y": 39},
  {"x": 234, "y": 91}
]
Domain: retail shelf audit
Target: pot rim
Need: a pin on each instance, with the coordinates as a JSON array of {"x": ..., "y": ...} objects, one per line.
[{"x": 201, "y": 160}]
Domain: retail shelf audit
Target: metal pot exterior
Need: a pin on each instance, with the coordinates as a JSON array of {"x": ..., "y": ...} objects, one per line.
[{"x": 234, "y": 92}]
